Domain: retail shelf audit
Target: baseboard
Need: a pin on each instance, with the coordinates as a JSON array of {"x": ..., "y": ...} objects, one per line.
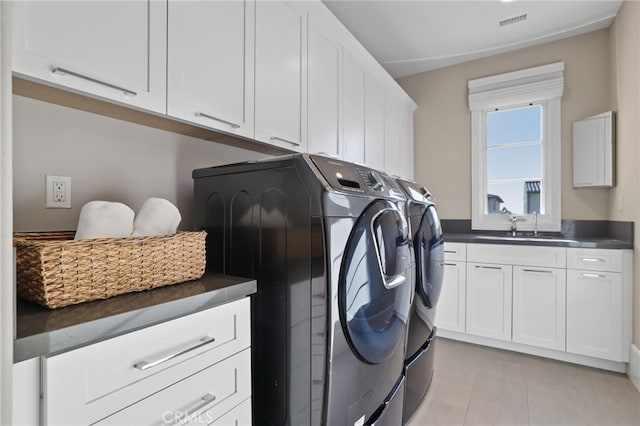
[{"x": 633, "y": 370}]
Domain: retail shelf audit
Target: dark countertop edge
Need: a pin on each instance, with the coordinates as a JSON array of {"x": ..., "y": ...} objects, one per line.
[
  {"x": 133, "y": 311},
  {"x": 597, "y": 243}
]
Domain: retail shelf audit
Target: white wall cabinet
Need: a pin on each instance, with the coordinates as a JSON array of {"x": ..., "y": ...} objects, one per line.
[
  {"x": 210, "y": 69},
  {"x": 353, "y": 109},
  {"x": 115, "y": 50},
  {"x": 393, "y": 135},
  {"x": 324, "y": 94},
  {"x": 539, "y": 305},
  {"x": 593, "y": 151},
  {"x": 26, "y": 393},
  {"x": 374, "y": 124},
  {"x": 489, "y": 288},
  {"x": 451, "y": 309},
  {"x": 280, "y": 75}
]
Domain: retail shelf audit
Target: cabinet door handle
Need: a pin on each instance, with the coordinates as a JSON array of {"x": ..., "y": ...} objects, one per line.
[
  {"x": 538, "y": 271},
  {"x": 202, "y": 402},
  {"x": 451, "y": 251},
  {"x": 591, "y": 259},
  {"x": 489, "y": 267},
  {"x": 450, "y": 264},
  {"x": 211, "y": 117},
  {"x": 584, "y": 274},
  {"x": 144, "y": 365},
  {"x": 278, "y": 138},
  {"x": 62, "y": 72}
]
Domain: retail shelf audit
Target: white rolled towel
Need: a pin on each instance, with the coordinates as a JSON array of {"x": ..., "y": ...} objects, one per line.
[
  {"x": 104, "y": 219},
  {"x": 156, "y": 217}
]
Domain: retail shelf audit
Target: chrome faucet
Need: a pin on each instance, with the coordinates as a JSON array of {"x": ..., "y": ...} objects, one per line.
[
  {"x": 514, "y": 225},
  {"x": 535, "y": 224}
]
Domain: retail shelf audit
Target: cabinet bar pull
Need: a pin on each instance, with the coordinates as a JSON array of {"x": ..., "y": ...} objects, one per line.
[
  {"x": 450, "y": 264},
  {"x": 144, "y": 365},
  {"x": 62, "y": 72},
  {"x": 592, "y": 275},
  {"x": 206, "y": 400},
  {"x": 540, "y": 271},
  {"x": 211, "y": 117},
  {"x": 591, "y": 259},
  {"x": 489, "y": 267},
  {"x": 451, "y": 251},
  {"x": 277, "y": 138}
]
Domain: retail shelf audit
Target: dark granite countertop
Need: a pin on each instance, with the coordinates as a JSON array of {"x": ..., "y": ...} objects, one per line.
[
  {"x": 574, "y": 233},
  {"x": 41, "y": 331},
  {"x": 542, "y": 240}
]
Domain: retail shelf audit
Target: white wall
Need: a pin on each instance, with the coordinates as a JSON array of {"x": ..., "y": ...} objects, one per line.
[{"x": 106, "y": 158}]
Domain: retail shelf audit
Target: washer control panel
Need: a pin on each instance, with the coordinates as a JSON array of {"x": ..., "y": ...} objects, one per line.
[{"x": 357, "y": 179}]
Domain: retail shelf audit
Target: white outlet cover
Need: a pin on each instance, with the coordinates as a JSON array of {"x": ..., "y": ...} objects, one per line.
[{"x": 50, "y": 181}]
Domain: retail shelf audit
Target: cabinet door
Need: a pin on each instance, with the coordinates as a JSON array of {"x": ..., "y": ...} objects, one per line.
[
  {"x": 114, "y": 50},
  {"x": 406, "y": 148},
  {"x": 392, "y": 135},
  {"x": 489, "y": 300},
  {"x": 539, "y": 303},
  {"x": 450, "y": 312},
  {"x": 279, "y": 75},
  {"x": 594, "y": 314},
  {"x": 210, "y": 65},
  {"x": 374, "y": 124},
  {"x": 26, "y": 392},
  {"x": 353, "y": 99},
  {"x": 323, "y": 97},
  {"x": 593, "y": 151}
]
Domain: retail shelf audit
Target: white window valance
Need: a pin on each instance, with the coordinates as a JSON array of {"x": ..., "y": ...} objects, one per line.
[{"x": 535, "y": 84}]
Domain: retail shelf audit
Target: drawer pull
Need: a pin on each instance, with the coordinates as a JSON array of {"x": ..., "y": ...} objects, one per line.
[
  {"x": 584, "y": 274},
  {"x": 181, "y": 416},
  {"x": 450, "y": 264},
  {"x": 591, "y": 259},
  {"x": 499, "y": 268},
  {"x": 277, "y": 138},
  {"x": 451, "y": 251},
  {"x": 538, "y": 271},
  {"x": 62, "y": 72},
  {"x": 144, "y": 365},
  {"x": 211, "y": 117}
]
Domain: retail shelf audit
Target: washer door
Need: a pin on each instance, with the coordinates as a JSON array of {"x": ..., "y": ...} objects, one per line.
[
  {"x": 375, "y": 287},
  {"x": 429, "y": 248}
]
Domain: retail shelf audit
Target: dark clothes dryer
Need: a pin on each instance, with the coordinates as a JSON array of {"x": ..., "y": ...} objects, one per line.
[
  {"x": 329, "y": 245},
  {"x": 428, "y": 248}
]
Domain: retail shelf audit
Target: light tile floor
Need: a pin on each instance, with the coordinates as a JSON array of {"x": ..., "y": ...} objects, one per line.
[{"x": 476, "y": 385}]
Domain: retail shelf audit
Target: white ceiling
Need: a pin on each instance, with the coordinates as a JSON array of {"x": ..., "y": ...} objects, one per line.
[{"x": 409, "y": 37}]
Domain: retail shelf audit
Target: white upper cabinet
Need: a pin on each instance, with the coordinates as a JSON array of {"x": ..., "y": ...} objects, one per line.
[
  {"x": 353, "y": 102},
  {"x": 593, "y": 151},
  {"x": 393, "y": 136},
  {"x": 210, "y": 64},
  {"x": 114, "y": 50},
  {"x": 323, "y": 97},
  {"x": 406, "y": 147},
  {"x": 374, "y": 124},
  {"x": 280, "y": 75}
]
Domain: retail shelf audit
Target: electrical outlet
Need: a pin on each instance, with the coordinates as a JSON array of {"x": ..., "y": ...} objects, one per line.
[{"x": 58, "y": 192}]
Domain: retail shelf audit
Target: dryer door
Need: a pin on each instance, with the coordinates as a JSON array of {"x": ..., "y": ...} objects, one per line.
[
  {"x": 375, "y": 287},
  {"x": 429, "y": 248}
]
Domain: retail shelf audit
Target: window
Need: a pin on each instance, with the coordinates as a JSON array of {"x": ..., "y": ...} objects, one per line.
[{"x": 516, "y": 148}]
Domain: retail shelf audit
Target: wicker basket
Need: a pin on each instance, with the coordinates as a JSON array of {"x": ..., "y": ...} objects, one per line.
[{"x": 54, "y": 270}]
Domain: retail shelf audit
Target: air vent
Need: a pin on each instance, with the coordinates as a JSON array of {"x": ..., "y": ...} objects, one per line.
[{"x": 512, "y": 20}]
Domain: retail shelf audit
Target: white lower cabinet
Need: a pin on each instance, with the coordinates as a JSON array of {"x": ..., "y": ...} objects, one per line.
[
  {"x": 572, "y": 304},
  {"x": 450, "y": 313},
  {"x": 539, "y": 300},
  {"x": 489, "y": 289},
  {"x": 594, "y": 320},
  {"x": 197, "y": 365}
]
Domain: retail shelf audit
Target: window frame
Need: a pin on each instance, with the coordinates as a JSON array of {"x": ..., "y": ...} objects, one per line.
[{"x": 540, "y": 85}]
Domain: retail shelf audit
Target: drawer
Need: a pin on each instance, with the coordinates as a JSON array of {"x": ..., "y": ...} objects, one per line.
[
  {"x": 550, "y": 257},
  {"x": 87, "y": 384},
  {"x": 594, "y": 259},
  {"x": 455, "y": 251},
  {"x": 239, "y": 416},
  {"x": 198, "y": 399}
]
